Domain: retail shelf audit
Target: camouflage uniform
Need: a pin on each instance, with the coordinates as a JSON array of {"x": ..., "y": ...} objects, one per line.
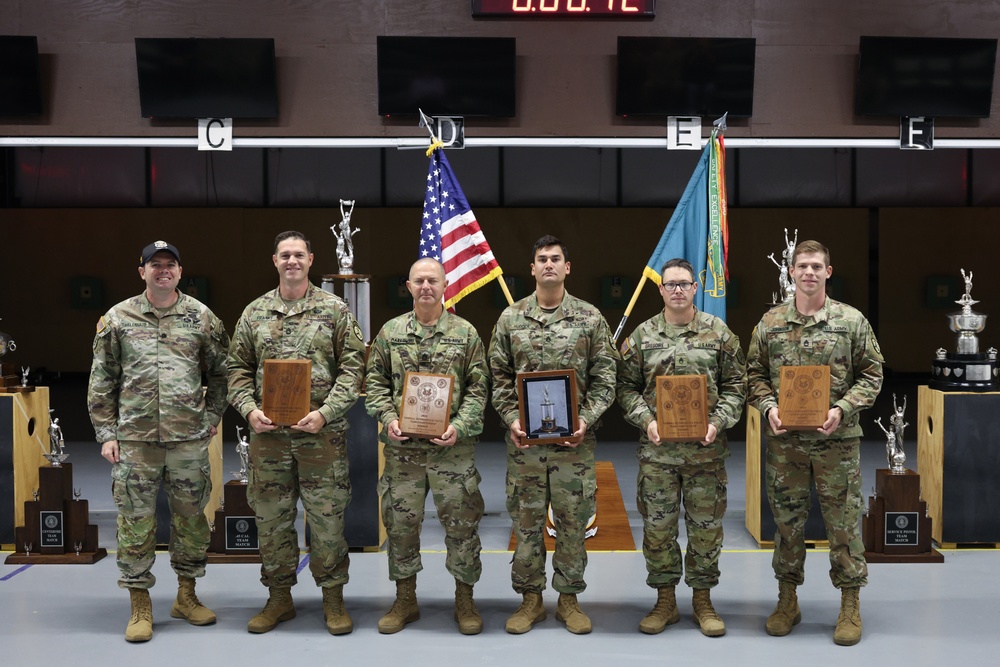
[
  {"x": 671, "y": 471},
  {"x": 840, "y": 337},
  {"x": 146, "y": 392},
  {"x": 284, "y": 463},
  {"x": 527, "y": 338},
  {"x": 417, "y": 466}
]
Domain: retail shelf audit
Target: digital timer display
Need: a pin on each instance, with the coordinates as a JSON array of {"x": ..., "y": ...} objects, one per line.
[{"x": 638, "y": 9}]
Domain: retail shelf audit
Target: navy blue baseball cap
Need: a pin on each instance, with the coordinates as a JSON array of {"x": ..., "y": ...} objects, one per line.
[{"x": 155, "y": 247}]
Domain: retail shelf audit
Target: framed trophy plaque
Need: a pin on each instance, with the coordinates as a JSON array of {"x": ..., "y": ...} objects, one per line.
[
  {"x": 803, "y": 397},
  {"x": 425, "y": 409},
  {"x": 546, "y": 402},
  {"x": 287, "y": 385},
  {"x": 681, "y": 407}
]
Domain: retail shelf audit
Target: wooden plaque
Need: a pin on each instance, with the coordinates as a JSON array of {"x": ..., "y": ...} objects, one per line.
[
  {"x": 425, "y": 409},
  {"x": 546, "y": 402},
  {"x": 804, "y": 397},
  {"x": 287, "y": 385},
  {"x": 682, "y": 407}
]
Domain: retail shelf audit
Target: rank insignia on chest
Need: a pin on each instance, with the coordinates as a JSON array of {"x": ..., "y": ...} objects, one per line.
[{"x": 806, "y": 343}]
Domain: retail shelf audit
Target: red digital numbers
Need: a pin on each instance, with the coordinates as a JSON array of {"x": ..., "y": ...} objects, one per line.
[{"x": 526, "y": 8}]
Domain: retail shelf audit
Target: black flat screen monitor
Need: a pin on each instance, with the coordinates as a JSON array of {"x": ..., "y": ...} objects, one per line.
[
  {"x": 925, "y": 76},
  {"x": 685, "y": 76},
  {"x": 206, "y": 78},
  {"x": 446, "y": 76},
  {"x": 20, "y": 84}
]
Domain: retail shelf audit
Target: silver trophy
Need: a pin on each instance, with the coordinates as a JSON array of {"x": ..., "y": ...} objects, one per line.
[
  {"x": 966, "y": 369},
  {"x": 786, "y": 286},
  {"x": 243, "y": 449},
  {"x": 345, "y": 244},
  {"x": 57, "y": 445},
  {"x": 894, "y": 453},
  {"x": 25, "y": 372}
]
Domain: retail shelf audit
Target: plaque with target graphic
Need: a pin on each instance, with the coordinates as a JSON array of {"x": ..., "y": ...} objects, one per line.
[
  {"x": 682, "y": 407},
  {"x": 803, "y": 397},
  {"x": 425, "y": 410}
]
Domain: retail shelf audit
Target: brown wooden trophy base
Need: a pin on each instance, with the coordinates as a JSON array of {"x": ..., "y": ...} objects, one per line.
[
  {"x": 55, "y": 525},
  {"x": 896, "y": 527},
  {"x": 229, "y": 543}
]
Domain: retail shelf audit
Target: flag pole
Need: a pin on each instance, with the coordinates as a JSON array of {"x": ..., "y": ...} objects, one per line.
[
  {"x": 425, "y": 121},
  {"x": 506, "y": 292},
  {"x": 631, "y": 305}
]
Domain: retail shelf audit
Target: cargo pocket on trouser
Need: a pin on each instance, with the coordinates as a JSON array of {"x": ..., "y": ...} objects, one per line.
[
  {"x": 385, "y": 501},
  {"x": 121, "y": 487},
  {"x": 473, "y": 497},
  {"x": 206, "y": 485},
  {"x": 640, "y": 493},
  {"x": 512, "y": 500},
  {"x": 589, "y": 497}
]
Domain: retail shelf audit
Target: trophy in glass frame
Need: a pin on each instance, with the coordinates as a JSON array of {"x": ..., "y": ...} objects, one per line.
[{"x": 547, "y": 406}]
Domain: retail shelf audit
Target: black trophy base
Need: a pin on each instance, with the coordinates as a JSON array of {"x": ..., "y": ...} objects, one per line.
[
  {"x": 234, "y": 531},
  {"x": 896, "y": 527},
  {"x": 964, "y": 372}
]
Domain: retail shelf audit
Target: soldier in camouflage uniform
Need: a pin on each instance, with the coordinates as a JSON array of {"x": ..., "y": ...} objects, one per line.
[
  {"x": 155, "y": 422},
  {"x": 816, "y": 330},
  {"x": 308, "y": 459},
  {"x": 551, "y": 330},
  {"x": 430, "y": 340},
  {"x": 681, "y": 340}
]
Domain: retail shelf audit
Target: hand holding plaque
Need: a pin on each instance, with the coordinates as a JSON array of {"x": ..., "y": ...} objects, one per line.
[
  {"x": 682, "y": 407},
  {"x": 804, "y": 397},
  {"x": 287, "y": 386},
  {"x": 425, "y": 409}
]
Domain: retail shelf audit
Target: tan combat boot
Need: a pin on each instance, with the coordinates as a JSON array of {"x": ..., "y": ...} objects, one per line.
[
  {"x": 786, "y": 614},
  {"x": 279, "y": 608},
  {"x": 568, "y": 611},
  {"x": 705, "y": 616},
  {"x": 848, "y": 632},
  {"x": 338, "y": 621},
  {"x": 466, "y": 615},
  {"x": 531, "y": 611},
  {"x": 404, "y": 610},
  {"x": 140, "y": 626},
  {"x": 187, "y": 605},
  {"x": 663, "y": 613}
]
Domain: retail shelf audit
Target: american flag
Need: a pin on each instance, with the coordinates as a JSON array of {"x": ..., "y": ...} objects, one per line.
[{"x": 450, "y": 234}]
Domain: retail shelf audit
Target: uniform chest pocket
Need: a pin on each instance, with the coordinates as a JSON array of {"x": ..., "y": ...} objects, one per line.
[
  {"x": 821, "y": 348},
  {"x": 140, "y": 340}
]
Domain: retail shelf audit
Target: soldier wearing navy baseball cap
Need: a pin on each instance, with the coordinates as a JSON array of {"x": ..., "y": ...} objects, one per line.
[{"x": 155, "y": 247}]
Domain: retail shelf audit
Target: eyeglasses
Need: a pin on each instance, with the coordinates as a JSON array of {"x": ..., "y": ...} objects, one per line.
[{"x": 684, "y": 287}]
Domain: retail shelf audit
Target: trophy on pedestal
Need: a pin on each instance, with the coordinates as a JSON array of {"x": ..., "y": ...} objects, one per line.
[
  {"x": 786, "y": 286},
  {"x": 234, "y": 531},
  {"x": 966, "y": 369},
  {"x": 55, "y": 526},
  {"x": 357, "y": 287},
  {"x": 896, "y": 527}
]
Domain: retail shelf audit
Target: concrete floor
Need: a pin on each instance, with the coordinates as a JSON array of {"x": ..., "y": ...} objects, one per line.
[{"x": 913, "y": 614}]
